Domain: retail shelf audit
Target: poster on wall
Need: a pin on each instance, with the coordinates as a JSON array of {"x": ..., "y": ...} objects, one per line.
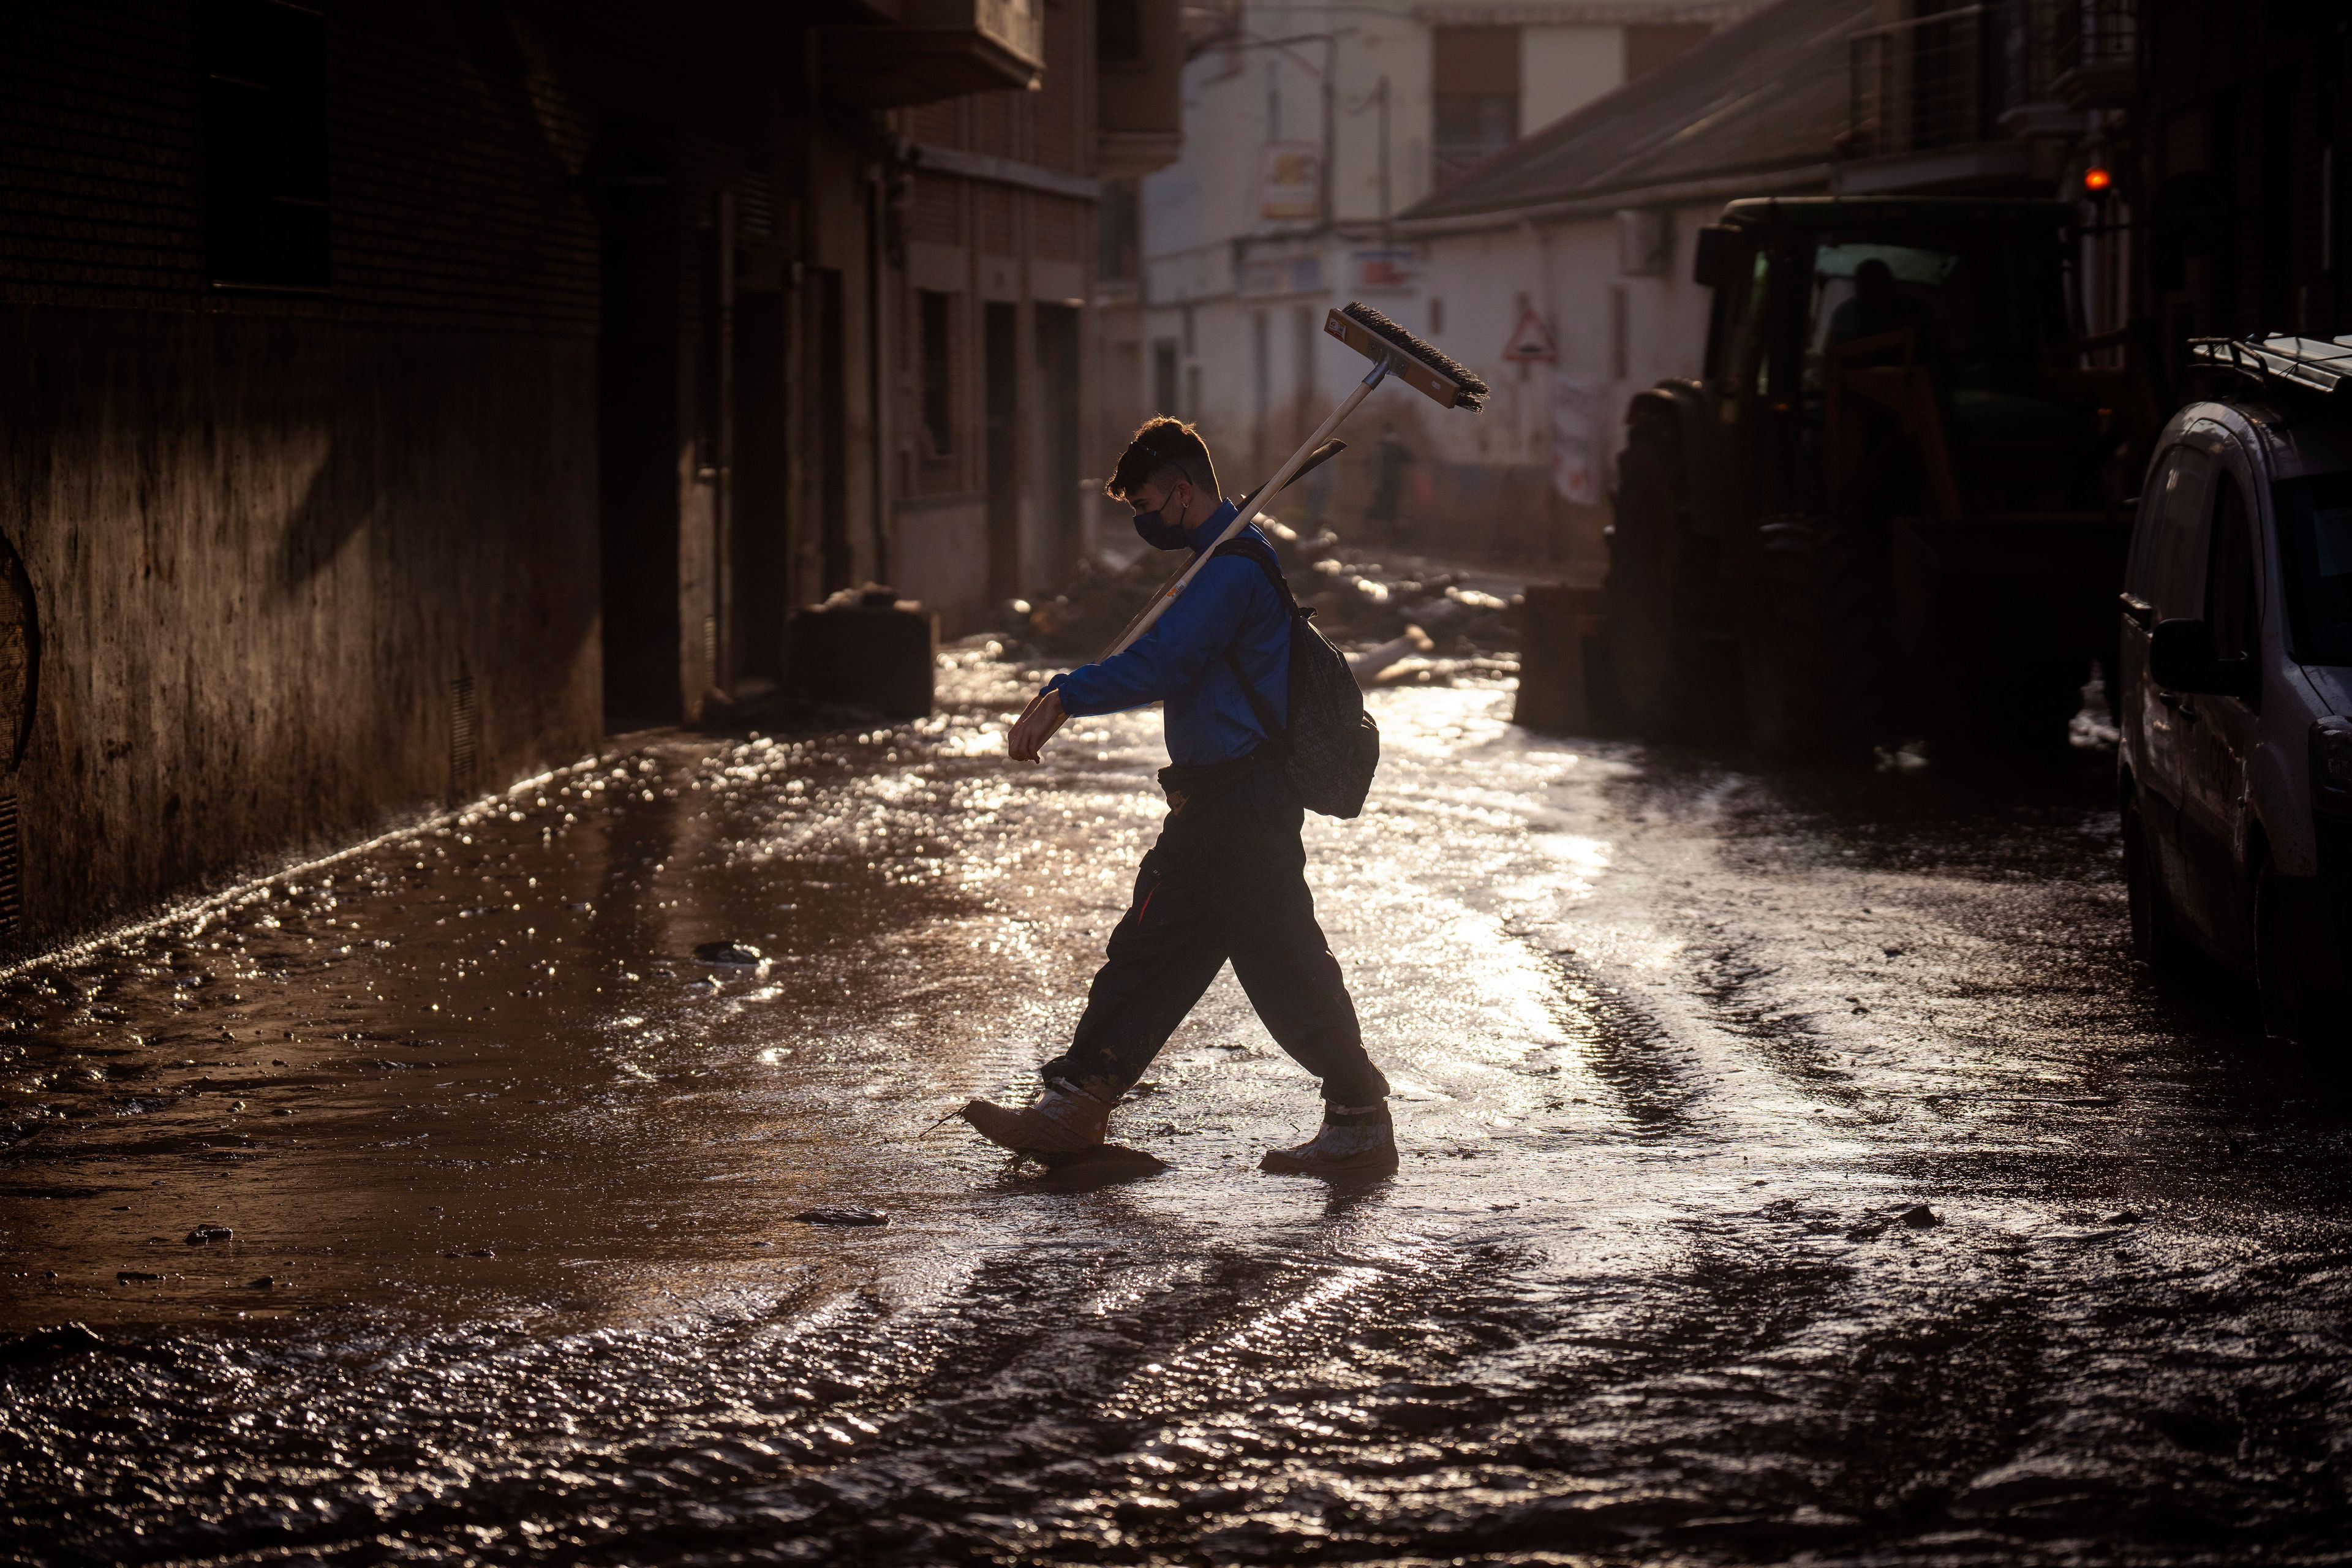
[
  {"x": 1576, "y": 439},
  {"x": 1290, "y": 182},
  {"x": 1393, "y": 266}
]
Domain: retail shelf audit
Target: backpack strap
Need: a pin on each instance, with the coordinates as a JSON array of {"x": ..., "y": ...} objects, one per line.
[{"x": 1252, "y": 550}]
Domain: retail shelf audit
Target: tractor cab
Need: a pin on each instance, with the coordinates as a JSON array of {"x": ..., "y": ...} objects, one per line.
[
  {"x": 1896, "y": 433},
  {"x": 1912, "y": 355}
]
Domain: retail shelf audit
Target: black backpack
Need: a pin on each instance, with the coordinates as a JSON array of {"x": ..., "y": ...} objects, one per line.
[{"x": 1331, "y": 746}]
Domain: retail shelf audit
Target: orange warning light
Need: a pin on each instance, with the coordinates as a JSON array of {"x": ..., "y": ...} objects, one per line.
[{"x": 2096, "y": 180}]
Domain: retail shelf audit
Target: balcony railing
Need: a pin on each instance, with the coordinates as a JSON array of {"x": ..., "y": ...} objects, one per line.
[
  {"x": 2095, "y": 52},
  {"x": 1923, "y": 85},
  {"x": 938, "y": 50}
]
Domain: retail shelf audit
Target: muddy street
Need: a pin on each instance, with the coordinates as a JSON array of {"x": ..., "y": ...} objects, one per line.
[{"x": 1794, "y": 1168}]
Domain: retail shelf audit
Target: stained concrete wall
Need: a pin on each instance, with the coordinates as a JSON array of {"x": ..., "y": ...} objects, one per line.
[
  {"x": 262, "y": 551},
  {"x": 269, "y": 532}
]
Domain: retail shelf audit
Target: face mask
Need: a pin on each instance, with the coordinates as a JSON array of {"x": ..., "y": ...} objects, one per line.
[{"x": 1154, "y": 529}]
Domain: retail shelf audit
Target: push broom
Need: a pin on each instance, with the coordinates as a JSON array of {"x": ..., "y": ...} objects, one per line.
[{"x": 1393, "y": 352}]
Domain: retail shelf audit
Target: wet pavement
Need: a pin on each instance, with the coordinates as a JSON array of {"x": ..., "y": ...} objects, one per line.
[{"x": 435, "y": 1203}]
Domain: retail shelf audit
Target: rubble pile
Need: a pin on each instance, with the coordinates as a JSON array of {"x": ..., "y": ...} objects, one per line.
[{"x": 1402, "y": 620}]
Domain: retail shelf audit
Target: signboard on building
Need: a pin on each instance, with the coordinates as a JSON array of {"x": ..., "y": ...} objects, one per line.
[
  {"x": 1531, "y": 342},
  {"x": 1286, "y": 275},
  {"x": 1576, "y": 439},
  {"x": 1290, "y": 182},
  {"x": 1394, "y": 267}
]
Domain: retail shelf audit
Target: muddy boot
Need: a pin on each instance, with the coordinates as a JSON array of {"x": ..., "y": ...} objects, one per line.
[
  {"x": 1356, "y": 1140},
  {"x": 1063, "y": 1119}
]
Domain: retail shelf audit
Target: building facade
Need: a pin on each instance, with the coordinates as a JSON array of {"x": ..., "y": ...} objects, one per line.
[
  {"x": 402, "y": 397},
  {"x": 1587, "y": 226},
  {"x": 1309, "y": 130},
  {"x": 2240, "y": 169},
  {"x": 1001, "y": 431}
]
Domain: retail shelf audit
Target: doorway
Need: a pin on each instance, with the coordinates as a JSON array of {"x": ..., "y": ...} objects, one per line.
[
  {"x": 758, "y": 524},
  {"x": 829, "y": 413},
  {"x": 1000, "y": 333},
  {"x": 638, "y": 432},
  {"x": 1058, "y": 431}
]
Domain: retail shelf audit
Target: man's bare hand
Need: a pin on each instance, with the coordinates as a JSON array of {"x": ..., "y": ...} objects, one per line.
[{"x": 1037, "y": 726}]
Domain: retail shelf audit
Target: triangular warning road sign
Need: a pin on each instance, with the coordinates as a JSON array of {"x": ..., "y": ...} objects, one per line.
[{"x": 1531, "y": 341}]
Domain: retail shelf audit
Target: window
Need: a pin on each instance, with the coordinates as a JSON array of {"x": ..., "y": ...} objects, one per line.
[
  {"x": 1474, "y": 89},
  {"x": 1118, "y": 32},
  {"x": 1122, "y": 232},
  {"x": 939, "y": 380},
  {"x": 2315, "y": 524},
  {"x": 266, "y": 144},
  {"x": 1164, "y": 375},
  {"x": 2170, "y": 544},
  {"x": 2231, "y": 608}
]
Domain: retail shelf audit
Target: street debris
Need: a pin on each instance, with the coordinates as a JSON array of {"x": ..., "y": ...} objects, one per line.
[
  {"x": 842, "y": 1216},
  {"x": 1411, "y": 622},
  {"x": 1920, "y": 1216},
  {"x": 1369, "y": 664},
  {"x": 206, "y": 1234},
  {"x": 729, "y": 955}
]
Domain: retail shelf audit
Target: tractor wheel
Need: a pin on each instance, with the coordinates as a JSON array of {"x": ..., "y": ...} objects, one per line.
[
  {"x": 1656, "y": 583},
  {"x": 1812, "y": 659}
]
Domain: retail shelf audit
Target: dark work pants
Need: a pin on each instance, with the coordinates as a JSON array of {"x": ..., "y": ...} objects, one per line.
[{"x": 1226, "y": 881}]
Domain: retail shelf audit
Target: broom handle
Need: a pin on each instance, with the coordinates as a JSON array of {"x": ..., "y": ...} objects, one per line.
[{"x": 1241, "y": 519}]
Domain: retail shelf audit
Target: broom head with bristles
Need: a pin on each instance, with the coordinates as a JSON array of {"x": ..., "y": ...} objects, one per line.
[{"x": 1416, "y": 363}]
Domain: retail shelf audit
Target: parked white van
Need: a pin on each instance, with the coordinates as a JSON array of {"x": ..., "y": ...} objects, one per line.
[{"x": 2236, "y": 681}]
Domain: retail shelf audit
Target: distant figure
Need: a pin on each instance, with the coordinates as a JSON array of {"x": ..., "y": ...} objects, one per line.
[
  {"x": 1388, "y": 486},
  {"x": 1879, "y": 307}
]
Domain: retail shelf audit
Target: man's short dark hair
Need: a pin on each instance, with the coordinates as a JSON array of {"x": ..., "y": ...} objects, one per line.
[{"x": 1163, "y": 453}]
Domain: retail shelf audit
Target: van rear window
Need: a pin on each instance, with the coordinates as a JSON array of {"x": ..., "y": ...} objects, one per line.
[{"x": 2315, "y": 524}]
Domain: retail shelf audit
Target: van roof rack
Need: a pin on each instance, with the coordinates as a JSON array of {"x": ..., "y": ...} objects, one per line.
[{"x": 2322, "y": 365}]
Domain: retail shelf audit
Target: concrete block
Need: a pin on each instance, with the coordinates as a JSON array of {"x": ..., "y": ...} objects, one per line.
[
  {"x": 873, "y": 651},
  {"x": 1561, "y": 654}
]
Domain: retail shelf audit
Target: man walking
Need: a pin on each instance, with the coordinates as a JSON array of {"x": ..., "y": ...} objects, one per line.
[{"x": 1227, "y": 878}]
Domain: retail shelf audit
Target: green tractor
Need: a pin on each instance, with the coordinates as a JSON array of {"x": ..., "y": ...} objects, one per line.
[{"x": 1897, "y": 504}]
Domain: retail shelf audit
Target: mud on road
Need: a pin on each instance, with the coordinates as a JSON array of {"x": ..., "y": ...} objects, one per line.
[{"x": 1795, "y": 1168}]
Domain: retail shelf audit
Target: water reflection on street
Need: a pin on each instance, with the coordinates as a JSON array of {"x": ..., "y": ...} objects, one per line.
[{"x": 509, "y": 1179}]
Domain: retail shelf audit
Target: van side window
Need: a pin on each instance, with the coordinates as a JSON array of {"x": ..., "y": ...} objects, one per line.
[
  {"x": 2169, "y": 547},
  {"x": 2233, "y": 604},
  {"x": 2314, "y": 532}
]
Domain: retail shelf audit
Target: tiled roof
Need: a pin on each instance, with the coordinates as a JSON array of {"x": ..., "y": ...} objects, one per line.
[{"x": 1764, "y": 95}]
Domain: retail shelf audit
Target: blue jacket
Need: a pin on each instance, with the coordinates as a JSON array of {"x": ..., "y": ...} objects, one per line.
[{"x": 1182, "y": 659}]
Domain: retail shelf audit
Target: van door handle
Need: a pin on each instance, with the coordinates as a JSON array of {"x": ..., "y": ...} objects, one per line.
[{"x": 2142, "y": 612}]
